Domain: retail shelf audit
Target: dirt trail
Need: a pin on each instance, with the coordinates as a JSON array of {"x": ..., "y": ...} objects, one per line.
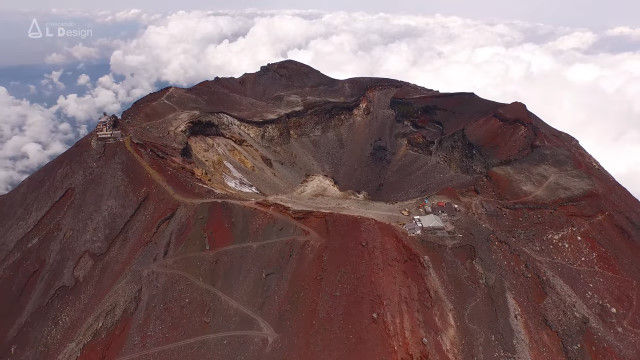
[
  {"x": 271, "y": 334},
  {"x": 537, "y": 192},
  {"x": 383, "y": 212},
  {"x": 231, "y": 247},
  {"x": 190, "y": 200},
  {"x": 164, "y": 99},
  {"x": 158, "y": 178},
  {"x": 267, "y": 329},
  {"x": 192, "y": 340}
]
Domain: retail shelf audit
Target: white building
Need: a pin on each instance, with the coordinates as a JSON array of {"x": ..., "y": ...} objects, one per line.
[{"x": 431, "y": 222}]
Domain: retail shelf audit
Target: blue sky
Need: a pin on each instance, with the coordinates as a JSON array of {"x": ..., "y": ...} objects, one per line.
[
  {"x": 594, "y": 14},
  {"x": 578, "y": 70}
]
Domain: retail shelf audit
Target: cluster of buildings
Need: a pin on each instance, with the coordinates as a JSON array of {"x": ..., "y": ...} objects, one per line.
[
  {"x": 432, "y": 218},
  {"x": 107, "y": 128}
]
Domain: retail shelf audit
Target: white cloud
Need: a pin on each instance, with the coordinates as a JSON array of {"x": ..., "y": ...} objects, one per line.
[
  {"x": 626, "y": 31},
  {"x": 190, "y": 58},
  {"x": 81, "y": 52},
  {"x": 30, "y": 136},
  {"x": 579, "y": 40},
  {"x": 55, "y": 59},
  {"x": 558, "y": 72},
  {"x": 136, "y": 15},
  {"x": 83, "y": 80},
  {"x": 107, "y": 96},
  {"x": 77, "y": 52},
  {"x": 53, "y": 79}
]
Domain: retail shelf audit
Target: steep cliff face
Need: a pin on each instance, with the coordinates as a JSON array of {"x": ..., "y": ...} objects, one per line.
[{"x": 259, "y": 218}]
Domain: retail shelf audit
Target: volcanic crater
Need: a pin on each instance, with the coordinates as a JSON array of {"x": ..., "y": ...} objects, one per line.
[{"x": 261, "y": 217}]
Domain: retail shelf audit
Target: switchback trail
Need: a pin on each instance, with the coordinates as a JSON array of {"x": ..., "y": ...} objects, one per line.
[
  {"x": 190, "y": 200},
  {"x": 192, "y": 340},
  {"x": 267, "y": 330},
  {"x": 271, "y": 334}
]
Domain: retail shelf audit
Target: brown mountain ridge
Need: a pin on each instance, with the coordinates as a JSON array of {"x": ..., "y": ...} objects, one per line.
[{"x": 261, "y": 217}]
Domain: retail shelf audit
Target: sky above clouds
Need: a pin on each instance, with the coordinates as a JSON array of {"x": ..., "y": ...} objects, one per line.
[
  {"x": 596, "y": 14},
  {"x": 581, "y": 80}
]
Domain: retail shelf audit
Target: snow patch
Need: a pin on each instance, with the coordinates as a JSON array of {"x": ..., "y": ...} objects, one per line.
[{"x": 237, "y": 181}]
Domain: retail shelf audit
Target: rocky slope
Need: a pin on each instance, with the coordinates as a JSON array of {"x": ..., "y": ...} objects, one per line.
[{"x": 259, "y": 218}]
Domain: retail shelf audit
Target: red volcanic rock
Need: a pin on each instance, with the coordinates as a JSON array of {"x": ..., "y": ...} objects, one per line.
[
  {"x": 505, "y": 135},
  {"x": 190, "y": 238}
]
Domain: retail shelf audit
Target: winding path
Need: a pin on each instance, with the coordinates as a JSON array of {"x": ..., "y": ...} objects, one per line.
[
  {"x": 267, "y": 330},
  {"x": 231, "y": 247},
  {"x": 192, "y": 340},
  {"x": 191, "y": 200}
]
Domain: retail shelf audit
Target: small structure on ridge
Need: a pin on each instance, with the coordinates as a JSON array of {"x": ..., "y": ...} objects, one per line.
[
  {"x": 428, "y": 222},
  {"x": 107, "y": 128}
]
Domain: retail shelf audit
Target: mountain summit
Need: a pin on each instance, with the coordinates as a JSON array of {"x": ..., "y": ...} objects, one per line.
[{"x": 286, "y": 214}]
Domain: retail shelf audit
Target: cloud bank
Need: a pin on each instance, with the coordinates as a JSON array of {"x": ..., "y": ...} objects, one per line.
[
  {"x": 574, "y": 79},
  {"x": 30, "y": 136}
]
